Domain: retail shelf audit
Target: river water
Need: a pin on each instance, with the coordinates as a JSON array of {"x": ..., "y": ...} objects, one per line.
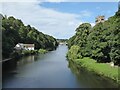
[{"x": 51, "y": 70}]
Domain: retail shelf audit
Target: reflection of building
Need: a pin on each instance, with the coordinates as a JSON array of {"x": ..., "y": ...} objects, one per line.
[
  {"x": 26, "y": 60},
  {"x": 100, "y": 19},
  {"x": 21, "y": 46}
]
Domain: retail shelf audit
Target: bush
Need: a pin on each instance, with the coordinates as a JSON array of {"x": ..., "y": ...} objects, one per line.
[
  {"x": 28, "y": 52},
  {"x": 42, "y": 51},
  {"x": 73, "y": 53}
]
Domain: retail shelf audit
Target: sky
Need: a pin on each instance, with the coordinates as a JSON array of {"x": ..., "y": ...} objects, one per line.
[{"x": 58, "y": 18}]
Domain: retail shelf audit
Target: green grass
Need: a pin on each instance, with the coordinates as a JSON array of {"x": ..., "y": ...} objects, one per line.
[{"x": 102, "y": 69}]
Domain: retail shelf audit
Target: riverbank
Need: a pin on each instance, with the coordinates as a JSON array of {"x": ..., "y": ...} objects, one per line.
[
  {"x": 43, "y": 70},
  {"x": 10, "y": 62},
  {"x": 29, "y": 52},
  {"x": 21, "y": 53},
  {"x": 101, "y": 69}
]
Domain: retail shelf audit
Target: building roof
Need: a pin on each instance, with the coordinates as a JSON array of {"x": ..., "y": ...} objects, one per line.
[{"x": 26, "y": 45}]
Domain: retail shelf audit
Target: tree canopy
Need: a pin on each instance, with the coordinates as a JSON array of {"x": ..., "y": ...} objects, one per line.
[
  {"x": 14, "y": 31},
  {"x": 101, "y": 42}
]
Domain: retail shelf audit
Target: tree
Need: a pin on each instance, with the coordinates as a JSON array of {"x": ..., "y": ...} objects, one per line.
[
  {"x": 102, "y": 42},
  {"x": 14, "y": 31}
]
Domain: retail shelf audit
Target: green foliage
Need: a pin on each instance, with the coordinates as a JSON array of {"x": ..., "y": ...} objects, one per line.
[
  {"x": 102, "y": 42},
  {"x": 14, "y": 31},
  {"x": 42, "y": 51},
  {"x": 80, "y": 38},
  {"x": 99, "y": 68},
  {"x": 73, "y": 53},
  {"x": 28, "y": 52}
]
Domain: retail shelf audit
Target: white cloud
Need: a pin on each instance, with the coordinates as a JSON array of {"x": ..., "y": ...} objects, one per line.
[
  {"x": 92, "y": 24},
  {"x": 49, "y": 21}
]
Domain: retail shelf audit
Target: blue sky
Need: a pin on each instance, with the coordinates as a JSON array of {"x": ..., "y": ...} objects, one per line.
[
  {"x": 93, "y": 8},
  {"x": 59, "y": 19}
]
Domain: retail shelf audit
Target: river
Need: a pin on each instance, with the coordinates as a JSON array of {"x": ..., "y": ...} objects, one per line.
[{"x": 51, "y": 70}]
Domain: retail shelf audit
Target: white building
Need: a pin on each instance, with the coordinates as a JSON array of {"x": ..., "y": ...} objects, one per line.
[{"x": 21, "y": 46}]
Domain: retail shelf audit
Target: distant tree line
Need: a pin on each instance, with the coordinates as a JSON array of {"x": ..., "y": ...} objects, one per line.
[
  {"x": 62, "y": 40},
  {"x": 14, "y": 31},
  {"x": 101, "y": 42}
]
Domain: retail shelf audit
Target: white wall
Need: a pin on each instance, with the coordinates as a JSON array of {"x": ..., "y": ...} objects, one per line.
[{"x": 29, "y": 48}]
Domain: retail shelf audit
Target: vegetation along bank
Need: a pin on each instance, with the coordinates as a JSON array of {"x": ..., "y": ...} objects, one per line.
[
  {"x": 14, "y": 32},
  {"x": 95, "y": 48}
]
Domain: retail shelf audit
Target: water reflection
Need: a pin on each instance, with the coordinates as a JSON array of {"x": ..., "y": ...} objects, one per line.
[
  {"x": 89, "y": 79},
  {"x": 50, "y": 71},
  {"x": 29, "y": 59},
  {"x": 26, "y": 60}
]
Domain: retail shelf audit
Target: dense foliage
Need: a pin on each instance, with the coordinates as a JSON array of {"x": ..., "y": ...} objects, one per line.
[
  {"x": 14, "y": 31},
  {"x": 101, "y": 42},
  {"x": 73, "y": 53}
]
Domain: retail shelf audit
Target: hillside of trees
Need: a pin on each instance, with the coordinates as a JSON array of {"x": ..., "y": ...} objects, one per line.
[
  {"x": 101, "y": 42},
  {"x": 14, "y": 31}
]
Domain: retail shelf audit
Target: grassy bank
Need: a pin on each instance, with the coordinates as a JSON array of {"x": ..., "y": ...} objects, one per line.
[{"x": 101, "y": 69}]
